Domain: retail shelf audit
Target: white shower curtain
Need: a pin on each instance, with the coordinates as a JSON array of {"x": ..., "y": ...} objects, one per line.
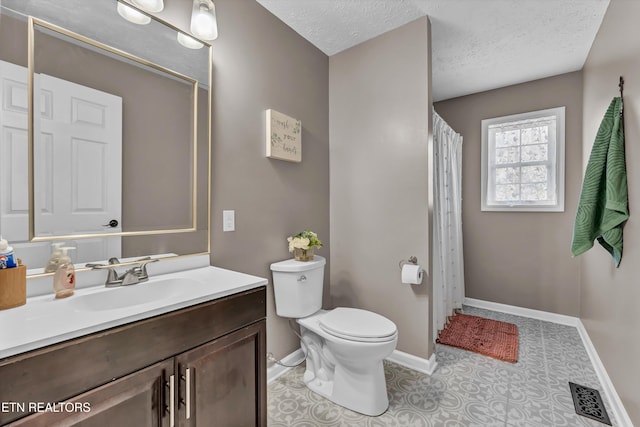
[{"x": 448, "y": 264}]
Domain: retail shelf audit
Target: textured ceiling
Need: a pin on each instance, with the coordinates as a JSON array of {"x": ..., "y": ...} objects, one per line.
[{"x": 477, "y": 45}]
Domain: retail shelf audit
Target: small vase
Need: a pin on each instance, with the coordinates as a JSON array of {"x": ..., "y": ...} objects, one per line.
[{"x": 303, "y": 254}]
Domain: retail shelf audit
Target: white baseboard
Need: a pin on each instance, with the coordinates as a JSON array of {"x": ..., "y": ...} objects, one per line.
[
  {"x": 524, "y": 312},
  {"x": 619, "y": 412},
  {"x": 426, "y": 366},
  {"x": 274, "y": 371},
  {"x": 618, "y": 409}
]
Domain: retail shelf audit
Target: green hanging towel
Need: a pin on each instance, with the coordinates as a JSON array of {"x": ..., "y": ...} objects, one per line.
[{"x": 603, "y": 206}]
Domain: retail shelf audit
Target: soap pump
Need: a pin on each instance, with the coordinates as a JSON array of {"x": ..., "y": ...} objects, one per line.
[
  {"x": 64, "y": 279},
  {"x": 54, "y": 260}
]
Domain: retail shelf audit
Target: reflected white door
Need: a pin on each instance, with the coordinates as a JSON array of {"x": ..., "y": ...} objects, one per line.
[
  {"x": 78, "y": 164},
  {"x": 14, "y": 202},
  {"x": 78, "y": 159}
]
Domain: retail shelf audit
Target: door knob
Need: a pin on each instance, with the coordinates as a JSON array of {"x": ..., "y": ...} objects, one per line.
[{"x": 113, "y": 223}]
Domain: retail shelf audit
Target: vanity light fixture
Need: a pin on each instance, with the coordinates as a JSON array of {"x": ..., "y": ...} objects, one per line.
[
  {"x": 149, "y": 5},
  {"x": 188, "y": 41},
  {"x": 203, "y": 20},
  {"x": 132, "y": 15}
]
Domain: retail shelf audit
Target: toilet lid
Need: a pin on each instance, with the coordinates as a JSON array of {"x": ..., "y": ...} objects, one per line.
[{"x": 356, "y": 324}]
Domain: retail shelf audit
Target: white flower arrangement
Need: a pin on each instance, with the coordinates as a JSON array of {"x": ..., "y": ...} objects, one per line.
[{"x": 305, "y": 240}]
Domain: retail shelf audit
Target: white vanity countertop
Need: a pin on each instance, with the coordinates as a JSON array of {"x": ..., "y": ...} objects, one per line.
[{"x": 44, "y": 320}]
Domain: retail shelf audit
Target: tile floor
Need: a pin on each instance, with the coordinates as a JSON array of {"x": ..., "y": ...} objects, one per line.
[{"x": 466, "y": 389}]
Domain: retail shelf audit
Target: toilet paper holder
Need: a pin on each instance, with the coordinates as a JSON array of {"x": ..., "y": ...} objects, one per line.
[{"x": 412, "y": 260}]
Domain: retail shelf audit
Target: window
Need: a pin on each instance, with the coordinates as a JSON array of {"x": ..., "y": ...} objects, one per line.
[{"x": 523, "y": 162}]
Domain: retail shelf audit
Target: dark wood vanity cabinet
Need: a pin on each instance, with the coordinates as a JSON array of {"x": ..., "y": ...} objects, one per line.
[{"x": 204, "y": 365}]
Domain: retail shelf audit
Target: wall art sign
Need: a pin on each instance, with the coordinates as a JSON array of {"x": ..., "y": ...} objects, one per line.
[{"x": 284, "y": 137}]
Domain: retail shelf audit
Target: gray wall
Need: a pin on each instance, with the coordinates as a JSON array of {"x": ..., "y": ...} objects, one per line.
[
  {"x": 260, "y": 63},
  {"x": 608, "y": 296},
  {"x": 520, "y": 258},
  {"x": 380, "y": 119}
]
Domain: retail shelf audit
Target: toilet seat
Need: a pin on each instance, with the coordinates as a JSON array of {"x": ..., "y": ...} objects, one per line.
[{"x": 358, "y": 325}]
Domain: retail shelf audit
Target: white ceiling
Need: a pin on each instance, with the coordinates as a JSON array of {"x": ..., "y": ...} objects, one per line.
[{"x": 477, "y": 45}]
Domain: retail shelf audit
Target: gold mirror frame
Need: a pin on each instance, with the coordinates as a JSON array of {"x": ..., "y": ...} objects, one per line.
[{"x": 33, "y": 22}]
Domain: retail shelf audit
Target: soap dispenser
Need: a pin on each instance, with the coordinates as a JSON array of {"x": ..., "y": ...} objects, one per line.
[
  {"x": 54, "y": 260},
  {"x": 64, "y": 279}
]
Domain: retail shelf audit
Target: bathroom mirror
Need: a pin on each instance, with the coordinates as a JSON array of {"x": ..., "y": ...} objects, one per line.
[{"x": 114, "y": 159}]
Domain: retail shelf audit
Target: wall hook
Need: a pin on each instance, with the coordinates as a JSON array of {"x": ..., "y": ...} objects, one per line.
[{"x": 621, "y": 85}]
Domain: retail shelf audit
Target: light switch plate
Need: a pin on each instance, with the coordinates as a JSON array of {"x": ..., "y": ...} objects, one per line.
[{"x": 228, "y": 220}]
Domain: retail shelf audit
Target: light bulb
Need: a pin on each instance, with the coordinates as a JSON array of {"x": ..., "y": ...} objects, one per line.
[
  {"x": 188, "y": 41},
  {"x": 132, "y": 15},
  {"x": 203, "y": 20},
  {"x": 149, "y": 5}
]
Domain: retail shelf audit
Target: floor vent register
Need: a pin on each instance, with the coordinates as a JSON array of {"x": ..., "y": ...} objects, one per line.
[{"x": 588, "y": 403}]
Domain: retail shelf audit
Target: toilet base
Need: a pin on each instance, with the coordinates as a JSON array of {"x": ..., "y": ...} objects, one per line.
[{"x": 365, "y": 394}]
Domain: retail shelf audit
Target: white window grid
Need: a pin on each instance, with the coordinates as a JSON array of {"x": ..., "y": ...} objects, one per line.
[{"x": 553, "y": 119}]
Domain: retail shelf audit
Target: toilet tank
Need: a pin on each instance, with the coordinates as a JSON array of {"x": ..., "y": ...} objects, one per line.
[{"x": 297, "y": 286}]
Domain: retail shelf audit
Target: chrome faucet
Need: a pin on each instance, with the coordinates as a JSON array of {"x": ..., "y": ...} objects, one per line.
[{"x": 137, "y": 274}]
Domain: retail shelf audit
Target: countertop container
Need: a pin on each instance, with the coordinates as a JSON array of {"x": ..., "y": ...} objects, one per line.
[{"x": 13, "y": 287}]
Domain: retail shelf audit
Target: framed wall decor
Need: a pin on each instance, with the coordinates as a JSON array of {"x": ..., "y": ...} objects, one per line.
[{"x": 284, "y": 137}]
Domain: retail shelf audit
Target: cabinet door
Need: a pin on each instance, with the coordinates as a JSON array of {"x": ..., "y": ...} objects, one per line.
[
  {"x": 139, "y": 399},
  {"x": 223, "y": 383}
]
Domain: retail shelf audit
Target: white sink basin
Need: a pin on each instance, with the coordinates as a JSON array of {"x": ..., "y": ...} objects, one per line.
[
  {"x": 45, "y": 320},
  {"x": 153, "y": 291}
]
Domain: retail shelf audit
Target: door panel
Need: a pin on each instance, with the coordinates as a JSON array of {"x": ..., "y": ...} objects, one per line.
[
  {"x": 227, "y": 381},
  {"x": 87, "y": 159},
  {"x": 139, "y": 399}
]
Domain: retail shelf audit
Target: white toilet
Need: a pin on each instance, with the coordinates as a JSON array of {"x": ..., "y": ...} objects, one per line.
[{"x": 344, "y": 346}]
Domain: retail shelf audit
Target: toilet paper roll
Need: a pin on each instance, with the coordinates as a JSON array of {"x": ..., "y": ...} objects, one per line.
[{"x": 411, "y": 274}]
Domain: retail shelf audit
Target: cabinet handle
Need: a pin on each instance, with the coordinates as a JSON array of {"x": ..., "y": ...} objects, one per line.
[
  {"x": 165, "y": 404},
  {"x": 171, "y": 399},
  {"x": 187, "y": 385},
  {"x": 187, "y": 373}
]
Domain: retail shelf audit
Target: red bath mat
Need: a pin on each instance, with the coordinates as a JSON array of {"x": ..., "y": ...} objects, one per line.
[{"x": 485, "y": 336}]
